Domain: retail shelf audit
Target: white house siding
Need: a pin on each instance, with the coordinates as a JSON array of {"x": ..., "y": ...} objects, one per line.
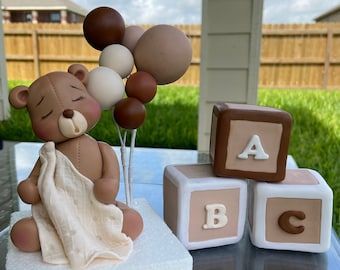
[{"x": 334, "y": 17}]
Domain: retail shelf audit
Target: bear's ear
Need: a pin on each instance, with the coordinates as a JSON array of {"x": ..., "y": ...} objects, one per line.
[
  {"x": 18, "y": 96},
  {"x": 80, "y": 72}
]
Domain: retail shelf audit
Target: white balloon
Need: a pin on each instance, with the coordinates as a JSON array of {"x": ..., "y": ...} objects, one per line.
[
  {"x": 118, "y": 58},
  {"x": 106, "y": 86}
]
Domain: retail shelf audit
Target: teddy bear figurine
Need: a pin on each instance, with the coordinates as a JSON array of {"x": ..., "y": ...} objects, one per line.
[{"x": 61, "y": 112}]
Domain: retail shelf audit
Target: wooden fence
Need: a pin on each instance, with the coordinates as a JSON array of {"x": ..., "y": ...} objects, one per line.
[
  {"x": 300, "y": 56},
  {"x": 35, "y": 49},
  {"x": 292, "y": 56}
]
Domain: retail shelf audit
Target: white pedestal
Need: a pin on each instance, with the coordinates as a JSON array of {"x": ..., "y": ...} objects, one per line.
[{"x": 157, "y": 248}]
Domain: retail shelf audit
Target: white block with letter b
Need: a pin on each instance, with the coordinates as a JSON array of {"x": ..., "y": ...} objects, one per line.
[{"x": 201, "y": 209}]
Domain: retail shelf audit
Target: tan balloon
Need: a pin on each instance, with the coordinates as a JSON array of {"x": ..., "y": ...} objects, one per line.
[
  {"x": 131, "y": 36},
  {"x": 164, "y": 52}
]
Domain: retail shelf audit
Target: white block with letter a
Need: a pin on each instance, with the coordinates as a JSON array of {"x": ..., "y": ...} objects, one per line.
[{"x": 201, "y": 209}]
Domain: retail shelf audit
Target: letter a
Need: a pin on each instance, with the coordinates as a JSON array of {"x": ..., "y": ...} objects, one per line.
[
  {"x": 254, "y": 147},
  {"x": 216, "y": 216}
]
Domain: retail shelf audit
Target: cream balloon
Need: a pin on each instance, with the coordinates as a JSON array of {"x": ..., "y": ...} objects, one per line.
[
  {"x": 106, "y": 86},
  {"x": 118, "y": 58}
]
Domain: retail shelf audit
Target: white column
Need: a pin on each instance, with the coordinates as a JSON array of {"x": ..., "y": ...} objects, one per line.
[
  {"x": 63, "y": 15},
  {"x": 4, "y": 105},
  {"x": 34, "y": 16},
  {"x": 6, "y": 16},
  {"x": 230, "y": 53}
]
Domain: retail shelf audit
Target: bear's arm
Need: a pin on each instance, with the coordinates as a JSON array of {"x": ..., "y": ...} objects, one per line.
[
  {"x": 27, "y": 189},
  {"x": 106, "y": 187}
]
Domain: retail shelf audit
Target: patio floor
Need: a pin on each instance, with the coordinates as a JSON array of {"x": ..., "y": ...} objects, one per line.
[{"x": 8, "y": 183}]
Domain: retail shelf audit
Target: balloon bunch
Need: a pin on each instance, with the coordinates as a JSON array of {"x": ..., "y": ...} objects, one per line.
[{"x": 161, "y": 55}]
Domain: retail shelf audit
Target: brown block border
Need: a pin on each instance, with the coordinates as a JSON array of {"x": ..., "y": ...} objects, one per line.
[{"x": 224, "y": 115}]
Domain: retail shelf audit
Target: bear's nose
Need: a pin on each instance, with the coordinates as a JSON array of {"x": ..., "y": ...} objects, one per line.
[{"x": 68, "y": 113}]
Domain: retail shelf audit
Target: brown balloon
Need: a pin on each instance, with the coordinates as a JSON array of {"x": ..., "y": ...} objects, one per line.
[
  {"x": 164, "y": 52},
  {"x": 131, "y": 36},
  {"x": 141, "y": 85},
  {"x": 129, "y": 113},
  {"x": 103, "y": 26}
]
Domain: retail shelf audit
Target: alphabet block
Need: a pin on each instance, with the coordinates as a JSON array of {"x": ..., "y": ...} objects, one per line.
[
  {"x": 249, "y": 141},
  {"x": 295, "y": 214},
  {"x": 201, "y": 209}
]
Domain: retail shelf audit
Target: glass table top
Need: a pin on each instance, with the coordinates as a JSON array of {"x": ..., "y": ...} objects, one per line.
[{"x": 149, "y": 164}]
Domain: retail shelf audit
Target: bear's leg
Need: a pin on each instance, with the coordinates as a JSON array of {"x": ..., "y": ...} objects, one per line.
[
  {"x": 24, "y": 235},
  {"x": 132, "y": 221}
]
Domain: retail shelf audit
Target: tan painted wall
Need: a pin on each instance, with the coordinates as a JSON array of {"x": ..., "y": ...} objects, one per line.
[{"x": 230, "y": 55}]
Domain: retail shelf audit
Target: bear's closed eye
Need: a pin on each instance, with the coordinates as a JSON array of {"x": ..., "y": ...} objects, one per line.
[
  {"x": 46, "y": 115},
  {"x": 75, "y": 87},
  {"x": 77, "y": 99}
]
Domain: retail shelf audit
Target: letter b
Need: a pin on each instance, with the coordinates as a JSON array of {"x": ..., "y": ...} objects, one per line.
[{"x": 216, "y": 216}]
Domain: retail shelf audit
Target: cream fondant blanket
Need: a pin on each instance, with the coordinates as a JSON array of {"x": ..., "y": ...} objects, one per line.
[{"x": 73, "y": 226}]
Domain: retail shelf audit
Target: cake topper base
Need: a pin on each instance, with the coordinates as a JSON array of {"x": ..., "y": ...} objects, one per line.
[{"x": 156, "y": 248}]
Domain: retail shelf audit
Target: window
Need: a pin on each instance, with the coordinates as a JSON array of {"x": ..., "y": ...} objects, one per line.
[
  {"x": 55, "y": 17},
  {"x": 28, "y": 17},
  {"x": 21, "y": 16}
]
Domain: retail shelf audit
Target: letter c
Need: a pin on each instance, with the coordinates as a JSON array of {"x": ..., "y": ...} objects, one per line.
[{"x": 285, "y": 224}]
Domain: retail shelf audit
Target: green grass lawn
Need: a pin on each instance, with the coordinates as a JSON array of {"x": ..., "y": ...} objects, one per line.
[{"x": 172, "y": 123}]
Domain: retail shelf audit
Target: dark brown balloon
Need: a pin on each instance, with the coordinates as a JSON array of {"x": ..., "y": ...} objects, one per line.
[
  {"x": 103, "y": 26},
  {"x": 141, "y": 85},
  {"x": 129, "y": 113}
]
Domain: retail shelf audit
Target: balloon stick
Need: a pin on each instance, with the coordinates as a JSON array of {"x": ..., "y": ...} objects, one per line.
[
  {"x": 123, "y": 161},
  {"x": 130, "y": 175}
]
